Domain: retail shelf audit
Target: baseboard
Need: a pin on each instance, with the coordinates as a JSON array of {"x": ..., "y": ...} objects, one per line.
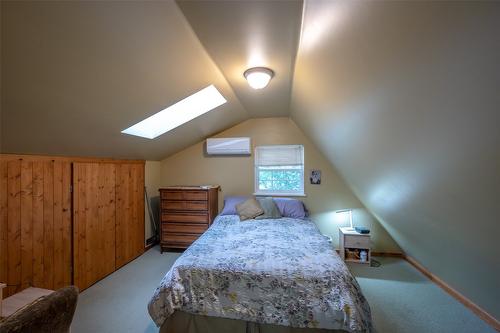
[
  {"x": 151, "y": 240},
  {"x": 488, "y": 318},
  {"x": 384, "y": 254},
  {"x": 388, "y": 254},
  {"x": 150, "y": 246}
]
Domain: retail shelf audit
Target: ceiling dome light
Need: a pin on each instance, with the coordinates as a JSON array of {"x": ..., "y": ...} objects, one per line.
[{"x": 258, "y": 77}]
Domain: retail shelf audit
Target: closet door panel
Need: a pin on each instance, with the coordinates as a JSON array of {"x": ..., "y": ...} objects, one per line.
[
  {"x": 57, "y": 225},
  {"x": 14, "y": 226},
  {"x": 48, "y": 225},
  {"x": 67, "y": 227},
  {"x": 38, "y": 271},
  {"x": 50, "y": 237},
  {"x": 26, "y": 223},
  {"x": 129, "y": 212},
  {"x": 4, "y": 262},
  {"x": 35, "y": 229},
  {"x": 94, "y": 222},
  {"x": 62, "y": 225},
  {"x": 107, "y": 217},
  {"x": 79, "y": 223}
]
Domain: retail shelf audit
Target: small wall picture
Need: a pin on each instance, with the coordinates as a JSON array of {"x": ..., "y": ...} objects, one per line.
[{"x": 315, "y": 177}]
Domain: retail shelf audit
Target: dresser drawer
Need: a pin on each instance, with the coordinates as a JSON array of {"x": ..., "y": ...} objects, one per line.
[
  {"x": 359, "y": 242},
  {"x": 178, "y": 239},
  {"x": 185, "y": 195},
  {"x": 186, "y": 218},
  {"x": 190, "y": 228},
  {"x": 184, "y": 205},
  {"x": 172, "y": 195},
  {"x": 196, "y": 195}
]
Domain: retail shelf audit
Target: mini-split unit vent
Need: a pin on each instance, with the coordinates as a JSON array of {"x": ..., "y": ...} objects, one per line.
[{"x": 228, "y": 146}]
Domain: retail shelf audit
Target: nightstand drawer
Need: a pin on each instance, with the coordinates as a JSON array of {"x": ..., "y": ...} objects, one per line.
[{"x": 358, "y": 242}]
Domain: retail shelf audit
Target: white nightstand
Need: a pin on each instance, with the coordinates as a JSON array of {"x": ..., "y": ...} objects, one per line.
[{"x": 352, "y": 242}]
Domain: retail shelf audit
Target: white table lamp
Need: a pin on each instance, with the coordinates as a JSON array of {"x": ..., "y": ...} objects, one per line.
[{"x": 351, "y": 228}]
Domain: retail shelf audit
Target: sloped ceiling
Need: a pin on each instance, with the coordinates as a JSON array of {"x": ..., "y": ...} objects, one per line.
[
  {"x": 403, "y": 98},
  {"x": 74, "y": 74},
  {"x": 242, "y": 34}
]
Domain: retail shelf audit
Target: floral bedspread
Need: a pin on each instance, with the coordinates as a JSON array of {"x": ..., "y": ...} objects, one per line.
[{"x": 280, "y": 271}]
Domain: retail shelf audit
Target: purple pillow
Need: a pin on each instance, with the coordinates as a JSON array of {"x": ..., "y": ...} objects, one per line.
[
  {"x": 291, "y": 208},
  {"x": 230, "y": 203}
]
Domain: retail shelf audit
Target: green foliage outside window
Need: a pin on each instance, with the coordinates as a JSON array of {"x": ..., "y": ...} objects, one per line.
[{"x": 280, "y": 178}]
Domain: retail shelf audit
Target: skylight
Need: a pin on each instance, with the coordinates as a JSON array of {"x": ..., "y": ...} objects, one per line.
[{"x": 175, "y": 115}]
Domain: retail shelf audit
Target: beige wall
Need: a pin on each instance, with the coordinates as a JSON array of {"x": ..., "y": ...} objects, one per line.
[
  {"x": 236, "y": 176},
  {"x": 152, "y": 183}
]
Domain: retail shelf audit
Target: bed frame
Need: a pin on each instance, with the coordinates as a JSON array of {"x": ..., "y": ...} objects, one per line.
[{"x": 189, "y": 323}]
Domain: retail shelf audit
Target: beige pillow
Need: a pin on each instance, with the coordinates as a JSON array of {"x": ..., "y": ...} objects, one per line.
[{"x": 249, "y": 209}]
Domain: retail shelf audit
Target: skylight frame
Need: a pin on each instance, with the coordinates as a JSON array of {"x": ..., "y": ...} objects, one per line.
[{"x": 187, "y": 109}]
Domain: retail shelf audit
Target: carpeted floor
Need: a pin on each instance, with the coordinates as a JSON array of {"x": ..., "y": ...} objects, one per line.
[{"x": 402, "y": 300}]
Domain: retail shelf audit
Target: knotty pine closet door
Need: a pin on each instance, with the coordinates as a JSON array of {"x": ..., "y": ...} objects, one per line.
[
  {"x": 129, "y": 212},
  {"x": 94, "y": 215},
  {"x": 50, "y": 237},
  {"x": 35, "y": 223}
]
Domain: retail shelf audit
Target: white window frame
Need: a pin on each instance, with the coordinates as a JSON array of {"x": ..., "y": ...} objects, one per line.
[{"x": 258, "y": 192}]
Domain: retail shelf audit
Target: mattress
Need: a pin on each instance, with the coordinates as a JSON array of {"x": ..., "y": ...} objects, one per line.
[{"x": 271, "y": 271}]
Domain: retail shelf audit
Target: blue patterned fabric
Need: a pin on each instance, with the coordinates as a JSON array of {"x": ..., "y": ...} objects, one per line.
[{"x": 273, "y": 271}]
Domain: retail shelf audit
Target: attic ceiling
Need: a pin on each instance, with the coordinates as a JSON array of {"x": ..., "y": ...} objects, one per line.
[
  {"x": 401, "y": 97},
  {"x": 242, "y": 34},
  {"x": 75, "y": 74}
]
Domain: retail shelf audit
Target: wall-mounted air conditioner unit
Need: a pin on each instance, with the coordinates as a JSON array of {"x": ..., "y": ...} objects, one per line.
[{"x": 228, "y": 146}]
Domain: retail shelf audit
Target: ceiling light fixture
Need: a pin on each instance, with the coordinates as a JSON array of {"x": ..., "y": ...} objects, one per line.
[
  {"x": 258, "y": 77},
  {"x": 177, "y": 114}
]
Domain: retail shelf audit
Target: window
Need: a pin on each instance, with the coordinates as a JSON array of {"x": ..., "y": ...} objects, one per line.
[{"x": 279, "y": 170}]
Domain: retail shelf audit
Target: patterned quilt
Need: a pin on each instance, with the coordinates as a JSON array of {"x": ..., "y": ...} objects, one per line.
[{"x": 279, "y": 271}]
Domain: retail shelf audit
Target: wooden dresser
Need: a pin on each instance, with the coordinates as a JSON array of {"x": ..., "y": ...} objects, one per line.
[{"x": 186, "y": 213}]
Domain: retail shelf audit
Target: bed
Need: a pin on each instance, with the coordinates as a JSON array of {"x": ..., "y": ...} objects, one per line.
[{"x": 260, "y": 275}]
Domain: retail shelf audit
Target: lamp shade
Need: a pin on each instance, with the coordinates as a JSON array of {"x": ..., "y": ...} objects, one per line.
[{"x": 350, "y": 216}]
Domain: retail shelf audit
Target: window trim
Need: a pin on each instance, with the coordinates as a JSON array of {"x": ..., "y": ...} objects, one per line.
[
  {"x": 277, "y": 193},
  {"x": 274, "y": 194}
]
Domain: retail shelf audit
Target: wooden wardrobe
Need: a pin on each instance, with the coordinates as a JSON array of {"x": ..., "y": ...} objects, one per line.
[{"x": 68, "y": 220}]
